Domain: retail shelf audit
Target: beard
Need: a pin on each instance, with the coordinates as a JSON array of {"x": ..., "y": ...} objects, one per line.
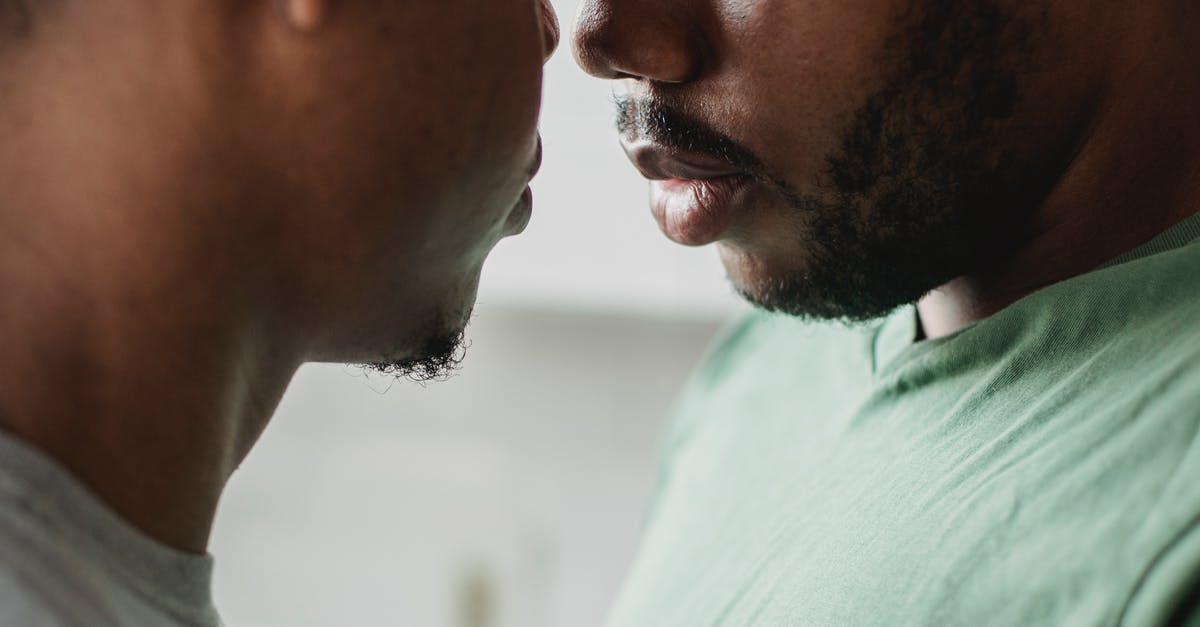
[
  {"x": 436, "y": 357},
  {"x": 921, "y": 190}
]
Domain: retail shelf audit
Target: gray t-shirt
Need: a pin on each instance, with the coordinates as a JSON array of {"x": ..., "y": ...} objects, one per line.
[{"x": 67, "y": 560}]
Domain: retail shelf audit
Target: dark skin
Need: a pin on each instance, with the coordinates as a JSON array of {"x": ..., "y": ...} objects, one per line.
[
  {"x": 959, "y": 155},
  {"x": 198, "y": 197}
]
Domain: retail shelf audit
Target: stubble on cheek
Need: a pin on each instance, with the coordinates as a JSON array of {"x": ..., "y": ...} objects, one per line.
[{"x": 918, "y": 187}]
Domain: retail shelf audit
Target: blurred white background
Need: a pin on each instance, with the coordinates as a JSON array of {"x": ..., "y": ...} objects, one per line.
[{"x": 512, "y": 495}]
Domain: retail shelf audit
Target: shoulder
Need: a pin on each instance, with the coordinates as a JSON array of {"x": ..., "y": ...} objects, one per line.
[
  {"x": 1167, "y": 592},
  {"x": 22, "y": 603},
  {"x": 45, "y": 580}
]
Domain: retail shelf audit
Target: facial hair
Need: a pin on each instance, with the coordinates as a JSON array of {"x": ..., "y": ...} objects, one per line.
[{"x": 921, "y": 190}]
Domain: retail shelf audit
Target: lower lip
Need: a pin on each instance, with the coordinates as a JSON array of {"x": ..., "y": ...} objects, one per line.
[
  {"x": 697, "y": 212},
  {"x": 522, "y": 212}
]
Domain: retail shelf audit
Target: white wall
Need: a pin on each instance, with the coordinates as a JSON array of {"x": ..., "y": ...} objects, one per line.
[{"x": 529, "y": 471}]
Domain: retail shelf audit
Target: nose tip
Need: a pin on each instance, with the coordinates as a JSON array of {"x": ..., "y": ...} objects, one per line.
[
  {"x": 637, "y": 41},
  {"x": 588, "y": 43},
  {"x": 551, "y": 31}
]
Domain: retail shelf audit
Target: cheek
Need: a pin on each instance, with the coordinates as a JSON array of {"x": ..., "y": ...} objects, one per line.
[
  {"x": 464, "y": 113},
  {"x": 800, "y": 68},
  {"x": 483, "y": 102},
  {"x": 491, "y": 77}
]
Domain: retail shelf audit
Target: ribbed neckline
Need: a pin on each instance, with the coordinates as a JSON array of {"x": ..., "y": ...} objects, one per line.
[
  {"x": 896, "y": 337},
  {"x": 176, "y": 582}
]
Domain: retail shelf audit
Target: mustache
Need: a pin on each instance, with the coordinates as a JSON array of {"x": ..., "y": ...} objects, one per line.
[{"x": 651, "y": 119}]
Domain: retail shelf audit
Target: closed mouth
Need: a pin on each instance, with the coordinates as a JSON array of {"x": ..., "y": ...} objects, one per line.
[{"x": 660, "y": 163}]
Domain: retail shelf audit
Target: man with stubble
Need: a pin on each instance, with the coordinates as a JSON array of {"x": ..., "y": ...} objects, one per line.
[
  {"x": 197, "y": 197},
  {"x": 1001, "y": 199}
]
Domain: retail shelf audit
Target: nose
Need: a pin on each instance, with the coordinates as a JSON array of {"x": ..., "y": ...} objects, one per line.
[
  {"x": 550, "y": 29},
  {"x": 640, "y": 39}
]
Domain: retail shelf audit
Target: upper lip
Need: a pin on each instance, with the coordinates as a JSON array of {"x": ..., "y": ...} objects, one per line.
[{"x": 660, "y": 163}]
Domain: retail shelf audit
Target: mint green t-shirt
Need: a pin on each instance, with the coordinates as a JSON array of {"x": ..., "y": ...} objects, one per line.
[{"x": 1040, "y": 467}]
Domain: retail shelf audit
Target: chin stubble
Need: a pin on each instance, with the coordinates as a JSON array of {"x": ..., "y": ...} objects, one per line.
[
  {"x": 438, "y": 357},
  {"x": 921, "y": 191}
]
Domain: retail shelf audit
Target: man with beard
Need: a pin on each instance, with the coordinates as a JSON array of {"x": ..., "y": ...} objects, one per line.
[
  {"x": 1003, "y": 196},
  {"x": 197, "y": 197}
]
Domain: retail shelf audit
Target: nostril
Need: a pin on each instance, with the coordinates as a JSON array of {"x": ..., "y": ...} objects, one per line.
[
  {"x": 592, "y": 61},
  {"x": 595, "y": 62}
]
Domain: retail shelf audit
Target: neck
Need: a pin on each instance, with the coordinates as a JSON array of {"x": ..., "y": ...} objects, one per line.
[
  {"x": 1136, "y": 174},
  {"x": 135, "y": 356},
  {"x": 141, "y": 348},
  {"x": 153, "y": 414}
]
